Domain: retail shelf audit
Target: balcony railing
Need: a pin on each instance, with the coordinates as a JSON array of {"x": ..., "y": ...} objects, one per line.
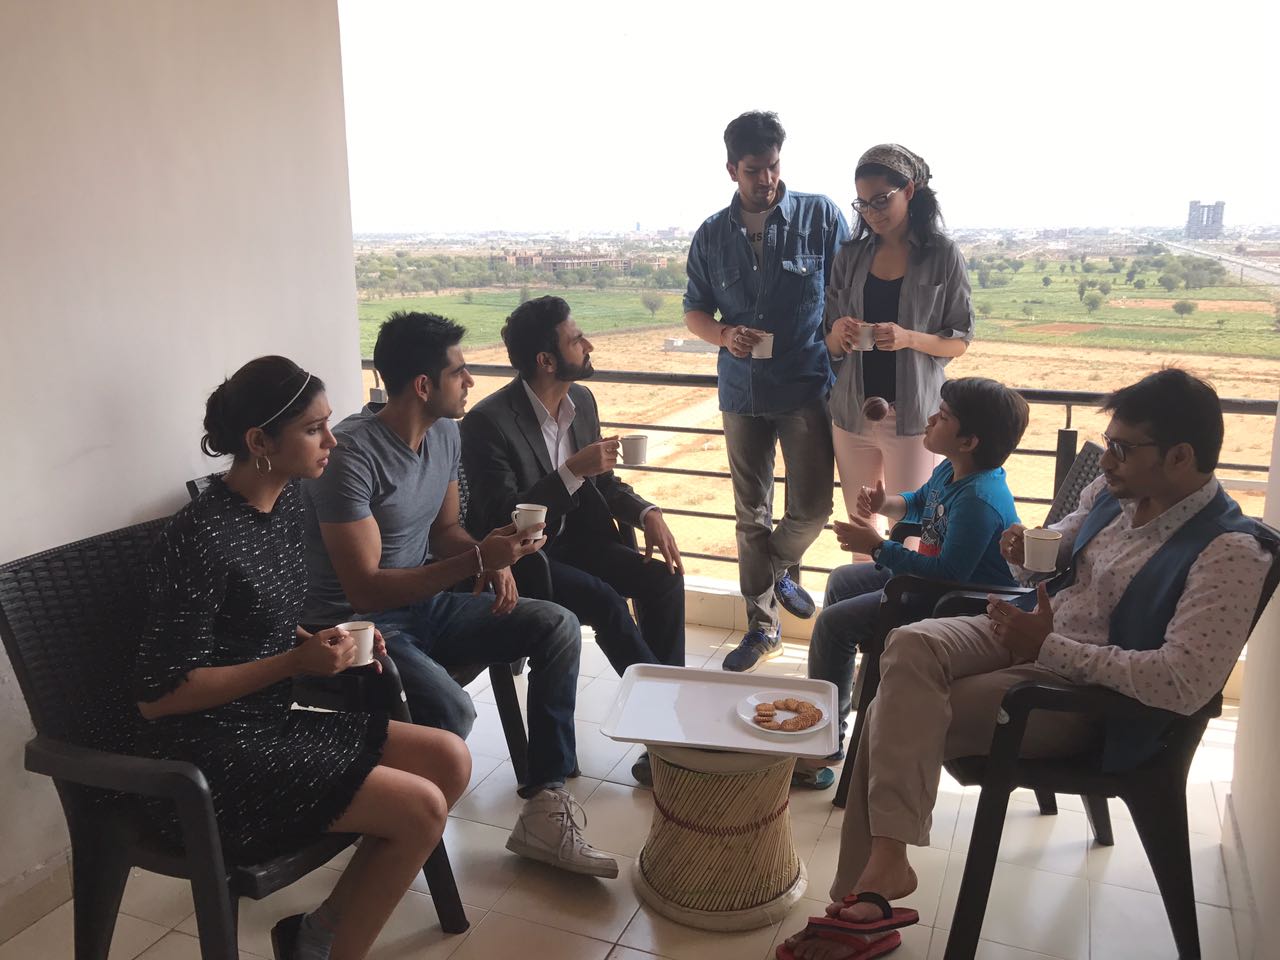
[{"x": 1068, "y": 441}]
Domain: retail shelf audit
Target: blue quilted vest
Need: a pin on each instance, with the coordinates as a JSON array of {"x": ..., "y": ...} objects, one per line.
[{"x": 1142, "y": 616}]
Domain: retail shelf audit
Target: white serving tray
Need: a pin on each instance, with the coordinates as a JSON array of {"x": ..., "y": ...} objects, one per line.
[{"x": 688, "y": 707}]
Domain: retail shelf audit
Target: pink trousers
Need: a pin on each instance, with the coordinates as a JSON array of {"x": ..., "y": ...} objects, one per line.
[{"x": 879, "y": 453}]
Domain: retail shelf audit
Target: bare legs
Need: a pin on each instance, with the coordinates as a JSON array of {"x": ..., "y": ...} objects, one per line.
[{"x": 400, "y": 811}]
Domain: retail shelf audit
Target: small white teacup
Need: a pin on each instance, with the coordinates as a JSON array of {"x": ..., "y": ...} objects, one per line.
[
  {"x": 635, "y": 449},
  {"x": 362, "y": 633},
  {"x": 1040, "y": 549},
  {"x": 527, "y": 515},
  {"x": 763, "y": 349},
  {"x": 866, "y": 337}
]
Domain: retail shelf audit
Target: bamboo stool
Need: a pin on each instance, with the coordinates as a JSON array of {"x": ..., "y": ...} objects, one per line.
[{"x": 719, "y": 854}]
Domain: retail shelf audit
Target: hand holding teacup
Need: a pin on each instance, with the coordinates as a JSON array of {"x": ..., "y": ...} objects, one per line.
[
  {"x": 739, "y": 340},
  {"x": 595, "y": 458},
  {"x": 325, "y": 652},
  {"x": 1011, "y": 544}
]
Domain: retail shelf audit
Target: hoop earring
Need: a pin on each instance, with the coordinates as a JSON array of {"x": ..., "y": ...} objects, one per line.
[{"x": 257, "y": 465}]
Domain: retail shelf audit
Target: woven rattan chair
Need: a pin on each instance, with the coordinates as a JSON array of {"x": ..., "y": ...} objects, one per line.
[
  {"x": 909, "y": 598},
  {"x": 1155, "y": 792},
  {"x": 69, "y": 618}
]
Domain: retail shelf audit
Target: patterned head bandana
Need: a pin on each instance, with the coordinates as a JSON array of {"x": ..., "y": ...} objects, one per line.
[{"x": 900, "y": 160}]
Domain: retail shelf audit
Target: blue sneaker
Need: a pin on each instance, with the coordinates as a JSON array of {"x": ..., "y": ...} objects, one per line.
[
  {"x": 755, "y": 648},
  {"x": 817, "y": 778},
  {"x": 794, "y": 598}
]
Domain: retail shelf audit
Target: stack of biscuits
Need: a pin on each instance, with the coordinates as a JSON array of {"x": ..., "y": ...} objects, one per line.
[{"x": 806, "y": 715}]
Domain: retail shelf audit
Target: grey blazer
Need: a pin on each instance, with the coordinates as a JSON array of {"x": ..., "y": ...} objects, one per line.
[
  {"x": 506, "y": 461},
  {"x": 935, "y": 299}
]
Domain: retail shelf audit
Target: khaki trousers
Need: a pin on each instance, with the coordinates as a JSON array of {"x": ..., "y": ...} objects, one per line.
[{"x": 940, "y": 690}]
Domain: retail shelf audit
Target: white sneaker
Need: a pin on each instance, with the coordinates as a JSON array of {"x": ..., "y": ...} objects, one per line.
[{"x": 548, "y": 831}]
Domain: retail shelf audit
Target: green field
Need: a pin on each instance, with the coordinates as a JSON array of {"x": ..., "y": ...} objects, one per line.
[
  {"x": 597, "y": 311},
  {"x": 1219, "y": 332},
  {"x": 1231, "y": 332}
]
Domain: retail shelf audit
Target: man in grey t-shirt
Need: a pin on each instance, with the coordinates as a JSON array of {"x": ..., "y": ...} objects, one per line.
[{"x": 384, "y": 541}]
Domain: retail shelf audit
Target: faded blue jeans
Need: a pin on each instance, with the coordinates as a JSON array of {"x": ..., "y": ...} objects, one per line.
[
  {"x": 451, "y": 630},
  {"x": 847, "y": 620}
]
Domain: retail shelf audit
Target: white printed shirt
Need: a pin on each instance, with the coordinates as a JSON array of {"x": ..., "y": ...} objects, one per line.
[{"x": 1210, "y": 623}]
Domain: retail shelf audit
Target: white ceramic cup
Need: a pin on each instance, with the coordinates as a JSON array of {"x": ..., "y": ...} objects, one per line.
[
  {"x": 362, "y": 633},
  {"x": 763, "y": 349},
  {"x": 635, "y": 449},
  {"x": 1040, "y": 549},
  {"x": 526, "y": 515},
  {"x": 866, "y": 337}
]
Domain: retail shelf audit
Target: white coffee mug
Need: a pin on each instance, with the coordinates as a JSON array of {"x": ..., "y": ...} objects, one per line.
[
  {"x": 527, "y": 515},
  {"x": 635, "y": 449},
  {"x": 362, "y": 633},
  {"x": 763, "y": 349},
  {"x": 1040, "y": 549},
  {"x": 866, "y": 337}
]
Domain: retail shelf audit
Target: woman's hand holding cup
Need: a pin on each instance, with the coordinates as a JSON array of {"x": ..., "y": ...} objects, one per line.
[
  {"x": 843, "y": 337},
  {"x": 325, "y": 653}
]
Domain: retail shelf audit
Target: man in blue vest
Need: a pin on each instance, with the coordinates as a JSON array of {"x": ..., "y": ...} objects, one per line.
[{"x": 1159, "y": 578}]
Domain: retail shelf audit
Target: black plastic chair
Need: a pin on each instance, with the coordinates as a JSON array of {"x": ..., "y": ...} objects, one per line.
[
  {"x": 68, "y": 619},
  {"x": 1155, "y": 792},
  {"x": 909, "y": 598}
]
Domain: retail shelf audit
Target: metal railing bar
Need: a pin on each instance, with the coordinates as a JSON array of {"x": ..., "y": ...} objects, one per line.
[{"x": 709, "y": 380}]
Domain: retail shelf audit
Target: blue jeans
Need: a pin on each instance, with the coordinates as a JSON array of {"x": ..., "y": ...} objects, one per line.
[
  {"x": 451, "y": 630},
  {"x": 847, "y": 620}
]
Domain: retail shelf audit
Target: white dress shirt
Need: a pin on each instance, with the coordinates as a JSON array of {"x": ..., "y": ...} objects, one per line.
[
  {"x": 558, "y": 437},
  {"x": 1210, "y": 623}
]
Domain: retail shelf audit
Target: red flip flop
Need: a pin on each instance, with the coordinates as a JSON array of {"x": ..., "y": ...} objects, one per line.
[
  {"x": 892, "y": 918},
  {"x": 864, "y": 949}
]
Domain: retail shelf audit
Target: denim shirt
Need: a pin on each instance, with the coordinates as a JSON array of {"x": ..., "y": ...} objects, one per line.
[
  {"x": 935, "y": 299},
  {"x": 783, "y": 296}
]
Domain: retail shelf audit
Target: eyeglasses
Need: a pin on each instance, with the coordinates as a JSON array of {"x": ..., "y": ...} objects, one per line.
[
  {"x": 875, "y": 203},
  {"x": 1120, "y": 448}
]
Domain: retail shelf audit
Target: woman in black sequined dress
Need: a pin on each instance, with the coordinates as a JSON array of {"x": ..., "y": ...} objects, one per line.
[{"x": 221, "y": 645}]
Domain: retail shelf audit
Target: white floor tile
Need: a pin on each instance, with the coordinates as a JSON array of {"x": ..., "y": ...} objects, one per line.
[
  {"x": 180, "y": 946},
  {"x": 621, "y": 772},
  {"x": 1031, "y": 909},
  {"x": 1126, "y": 865},
  {"x": 597, "y": 698},
  {"x": 653, "y": 933},
  {"x": 627, "y": 953},
  {"x": 162, "y": 900},
  {"x": 593, "y": 663},
  {"x": 1132, "y": 925},
  {"x": 481, "y": 767},
  {"x": 486, "y": 737},
  {"x": 987, "y": 950},
  {"x": 589, "y": 906},
  {"x": 482, "y": 865},
  {"x": 1058, "y": 843},
  {"x": 597, "y": 754},
  {"x": 618, "y": 818},
  {"x": 52, "y": 937},
  {"x": 502, "y": 936}
]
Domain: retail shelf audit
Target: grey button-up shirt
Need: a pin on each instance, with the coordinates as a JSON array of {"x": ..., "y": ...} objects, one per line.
[{"x": 935, "y": 299}]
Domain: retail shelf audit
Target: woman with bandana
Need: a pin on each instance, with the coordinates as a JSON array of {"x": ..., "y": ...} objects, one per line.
[{"x": 898, "y": 308}]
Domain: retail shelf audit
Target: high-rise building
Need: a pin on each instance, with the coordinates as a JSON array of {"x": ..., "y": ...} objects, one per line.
[{"x": 1204, "y": 222}]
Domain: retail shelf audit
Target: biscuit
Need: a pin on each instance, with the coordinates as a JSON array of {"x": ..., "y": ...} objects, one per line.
[
  {"x": 802, "y": 721},
  {"x": 768, "y": 723},
  {"x": 768, "y": 708}
]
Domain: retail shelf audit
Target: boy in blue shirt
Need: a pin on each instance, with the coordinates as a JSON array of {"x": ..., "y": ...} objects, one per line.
[{"x": 962, "y": 509}]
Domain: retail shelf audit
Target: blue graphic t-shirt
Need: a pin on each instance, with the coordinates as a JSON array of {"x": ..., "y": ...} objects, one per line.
[{"x": 961, "y": 524}]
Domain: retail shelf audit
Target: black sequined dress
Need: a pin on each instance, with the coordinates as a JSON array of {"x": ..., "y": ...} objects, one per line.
[{"x": 227, "y": 586}]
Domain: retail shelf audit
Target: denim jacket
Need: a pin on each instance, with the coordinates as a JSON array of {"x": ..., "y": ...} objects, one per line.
[
  {"x": 783, "y": 297},
  {"x": 935, "y": 299}
]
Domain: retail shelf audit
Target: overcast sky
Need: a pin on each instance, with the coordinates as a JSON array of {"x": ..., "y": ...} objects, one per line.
[{"x": 595, "y": 115}]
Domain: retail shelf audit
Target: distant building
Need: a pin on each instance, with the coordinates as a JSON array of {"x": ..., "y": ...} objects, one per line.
[
  {"x": 1203, "y": 221},
  {"x": 595, "y": 264}
]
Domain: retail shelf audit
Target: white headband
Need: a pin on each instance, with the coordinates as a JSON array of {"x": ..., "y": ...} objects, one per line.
[{"x": 287, "y": 405}]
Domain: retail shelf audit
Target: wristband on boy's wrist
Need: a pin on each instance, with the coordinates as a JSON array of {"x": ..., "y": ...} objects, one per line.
[{"x": 479, "y": 561}]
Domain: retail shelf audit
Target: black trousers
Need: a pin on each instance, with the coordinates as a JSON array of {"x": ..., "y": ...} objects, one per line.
[{"x": 594, "y": 581}]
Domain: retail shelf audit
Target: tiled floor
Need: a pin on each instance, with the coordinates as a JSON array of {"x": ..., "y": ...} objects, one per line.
[{"x": 1055, "y": 895}]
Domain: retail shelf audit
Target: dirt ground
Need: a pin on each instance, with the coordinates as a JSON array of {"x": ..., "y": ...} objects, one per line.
[
  {"x": 1061, "y": 328},
  {"x": 1248, "y": 438}
]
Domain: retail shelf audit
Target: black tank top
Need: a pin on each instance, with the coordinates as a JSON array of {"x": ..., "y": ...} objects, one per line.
[{"x": 880, "y": 367}]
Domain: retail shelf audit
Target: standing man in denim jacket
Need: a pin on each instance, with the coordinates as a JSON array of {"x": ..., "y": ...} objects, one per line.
[{"x": 762, "y": 264}]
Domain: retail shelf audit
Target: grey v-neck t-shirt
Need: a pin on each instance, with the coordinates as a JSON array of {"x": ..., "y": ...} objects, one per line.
[{"x": 373, "y": 472}]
